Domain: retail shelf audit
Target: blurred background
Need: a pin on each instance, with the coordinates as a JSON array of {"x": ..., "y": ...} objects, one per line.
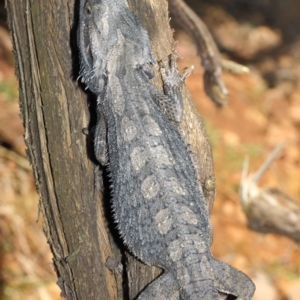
[{"x": 263, "y": 110}]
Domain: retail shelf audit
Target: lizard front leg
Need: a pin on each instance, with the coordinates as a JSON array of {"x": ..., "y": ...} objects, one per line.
[
  {"x": 232, "y": 281},
  {"x": 100, "y": 146},
  {"x": 99, "y": 133},
  {"x": 171, "y": 102},
  {"x": 162, "y": 288}
]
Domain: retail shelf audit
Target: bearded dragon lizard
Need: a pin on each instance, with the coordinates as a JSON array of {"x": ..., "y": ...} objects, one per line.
[{"x": 158, "y": 206}]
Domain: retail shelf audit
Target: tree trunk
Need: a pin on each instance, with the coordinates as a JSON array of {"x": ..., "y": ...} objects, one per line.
[{"x": 54, "y": 111}]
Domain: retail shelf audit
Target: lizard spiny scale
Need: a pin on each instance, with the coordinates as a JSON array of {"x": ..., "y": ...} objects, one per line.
[{"x": 158, "y": 206}]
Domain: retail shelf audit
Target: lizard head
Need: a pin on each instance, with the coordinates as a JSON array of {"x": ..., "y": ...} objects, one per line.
[
  {"x": 100, "y": 24},
  {"x": 90, "y": 41}
]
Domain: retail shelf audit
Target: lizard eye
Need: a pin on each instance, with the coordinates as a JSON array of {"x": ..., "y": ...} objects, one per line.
[{"x": 88, "y": 10}]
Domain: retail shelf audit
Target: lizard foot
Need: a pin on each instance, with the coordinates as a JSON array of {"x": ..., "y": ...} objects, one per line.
[
  {"x": 170, "y": 74},
  {"x": 232, "y": 281},
  {"x": 162, "y": 288},
  {"x": 171, "y": 101}
]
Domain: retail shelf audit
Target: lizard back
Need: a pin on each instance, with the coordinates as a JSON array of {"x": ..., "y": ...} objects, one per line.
[{"x": 151, "y": 167}]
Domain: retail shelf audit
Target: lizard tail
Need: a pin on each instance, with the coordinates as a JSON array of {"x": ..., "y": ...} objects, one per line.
[
  {"x": 204, "y": 277},
  {"x": 196, "y": 276}
]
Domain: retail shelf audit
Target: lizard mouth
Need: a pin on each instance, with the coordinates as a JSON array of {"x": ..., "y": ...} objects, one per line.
[
  {"x": 84, "y": 53},
  {"x": 87, "y": 59},
  {"x": 89, "y": 56}
]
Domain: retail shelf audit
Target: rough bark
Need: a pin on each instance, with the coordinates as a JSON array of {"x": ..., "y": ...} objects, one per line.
[{"x": 54, "y": 111}]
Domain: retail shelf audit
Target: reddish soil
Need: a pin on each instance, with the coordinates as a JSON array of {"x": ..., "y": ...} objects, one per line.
[{"x": 263, "y": 110}]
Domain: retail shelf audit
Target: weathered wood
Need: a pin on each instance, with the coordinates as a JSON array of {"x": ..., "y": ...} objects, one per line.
[
  {"x": 54, "y": 111},
  {"x": 269, "y": 210},
  {"x": 272, "y": 211}
]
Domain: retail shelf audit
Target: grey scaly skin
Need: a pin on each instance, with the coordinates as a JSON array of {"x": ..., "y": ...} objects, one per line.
[{"x": 158, "y": 207}]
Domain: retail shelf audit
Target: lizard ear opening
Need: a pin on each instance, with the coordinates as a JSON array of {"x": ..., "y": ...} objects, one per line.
[
  {"x": 147, "y": 70},
  {"x": 88, "y": 10}
]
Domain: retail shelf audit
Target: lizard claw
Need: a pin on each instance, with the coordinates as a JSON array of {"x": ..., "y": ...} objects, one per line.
[
  {"x": 169, "y": 71},
  {"x": 187, "y": 72}
]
